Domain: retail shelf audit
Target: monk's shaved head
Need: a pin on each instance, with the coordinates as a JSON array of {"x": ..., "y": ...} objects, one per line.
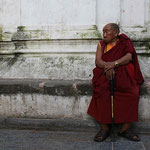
[
  {"x": 114, "y": 26},
  {"x": 110, "y": 32}
]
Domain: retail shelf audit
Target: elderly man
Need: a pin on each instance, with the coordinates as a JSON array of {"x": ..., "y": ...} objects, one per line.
[{"x": 115, "y": 58}]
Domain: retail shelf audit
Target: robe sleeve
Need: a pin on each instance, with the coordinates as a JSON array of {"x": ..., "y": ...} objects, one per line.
[
  {"x": 138, "y": 74},
  {"x": 129, "y": 47}
]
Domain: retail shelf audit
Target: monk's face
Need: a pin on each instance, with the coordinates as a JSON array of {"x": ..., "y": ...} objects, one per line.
[{"x": 109, "y": 34}]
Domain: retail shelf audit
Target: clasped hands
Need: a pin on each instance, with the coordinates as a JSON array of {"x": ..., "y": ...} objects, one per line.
[{"x": 109, "y": 70}]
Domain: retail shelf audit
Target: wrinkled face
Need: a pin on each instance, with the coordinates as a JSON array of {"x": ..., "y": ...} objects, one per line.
[{"x": 109, "y": 34}]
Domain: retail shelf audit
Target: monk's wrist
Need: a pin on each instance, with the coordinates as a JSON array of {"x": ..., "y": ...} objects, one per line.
[
  {"x": 116, "y": 64},
  {"x": 103, "y": 64}
]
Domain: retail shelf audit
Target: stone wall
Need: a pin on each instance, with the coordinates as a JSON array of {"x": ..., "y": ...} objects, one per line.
[
  {"x": 39, "y": 40},
  {"x": 56, "y": 41}
]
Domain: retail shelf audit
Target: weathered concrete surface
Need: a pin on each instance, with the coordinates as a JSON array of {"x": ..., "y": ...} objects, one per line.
[
  {"x": 58, "y": 100},
  {"x": 56, "y": 65},
  {"x": 44, "y": 99},
  {"x": 66, "y": 59},
  {"x": 65, "y": 124},
  {"x": 52, "y": 66},
  {"x": 45, "y": 11},
  {"x": 62, "y": 140},
  {"x": 63, "y": 47},
  {"x": 44, "y": 46},
  {"x": 15, "y": 13},
  {"x": 48, "y": 87}
]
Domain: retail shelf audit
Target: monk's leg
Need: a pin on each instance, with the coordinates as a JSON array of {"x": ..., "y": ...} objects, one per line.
[
  {"x": 125, "y": 126},
  {"x": 103, "y": 133},
  {"x": 125, "y": 132},
  {"x": 105, "y": 127}
]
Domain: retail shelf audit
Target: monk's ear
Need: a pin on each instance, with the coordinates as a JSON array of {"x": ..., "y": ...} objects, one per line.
[{"x": 116, "y": 33}]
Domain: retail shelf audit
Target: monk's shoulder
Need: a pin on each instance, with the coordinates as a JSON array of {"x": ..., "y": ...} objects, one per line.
[
  {"x": 124, "y": 37},
  {"x": 102, "y": 43}
]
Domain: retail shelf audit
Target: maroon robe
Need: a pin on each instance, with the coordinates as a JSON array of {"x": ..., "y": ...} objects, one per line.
[{"x": 127, "y": 80}]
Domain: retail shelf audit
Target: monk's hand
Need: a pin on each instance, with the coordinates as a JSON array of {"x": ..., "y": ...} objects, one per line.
[
  {"x": 110, "y": 74},
  {"x": 108, "y": 65}
]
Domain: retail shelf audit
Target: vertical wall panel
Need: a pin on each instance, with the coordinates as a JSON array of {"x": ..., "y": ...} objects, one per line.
[
  {"x": 51, "y": 12},
  {"x": 10, "y": 13},
  {"x": 107, "y": 11},
  {"x": 132, "y": 13}
]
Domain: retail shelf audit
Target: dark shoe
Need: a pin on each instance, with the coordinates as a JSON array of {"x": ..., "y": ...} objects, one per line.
[
  {"x": 129, "y": 135},
  {"x": 101, "y": 135}
]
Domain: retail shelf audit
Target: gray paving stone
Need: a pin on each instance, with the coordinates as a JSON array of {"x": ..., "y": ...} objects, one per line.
[
  {"x": 146, "y": 141},
  {"x": 127, "y": 145},
  {"x": 146, "y": 146},
  {"x": 145, "y": 138},
  {"x": 64, "y": 140}
]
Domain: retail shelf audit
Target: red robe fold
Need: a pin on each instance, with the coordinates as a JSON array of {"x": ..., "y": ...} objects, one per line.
[{"x": 127, "y": 81}]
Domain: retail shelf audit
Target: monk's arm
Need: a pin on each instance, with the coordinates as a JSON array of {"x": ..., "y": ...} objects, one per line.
[
  {"x": 110, "y": 72},
  {"x": 98, "y": 60},
  {"x": 125, "y": 59},
  {"x": 122, "y": 61}
]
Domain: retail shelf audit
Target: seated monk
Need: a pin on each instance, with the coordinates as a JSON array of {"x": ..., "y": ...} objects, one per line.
[{"x": 115, "y": 58}]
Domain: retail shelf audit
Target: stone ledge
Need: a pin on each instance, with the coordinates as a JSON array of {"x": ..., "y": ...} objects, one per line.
[
  {"x": 54, "y": 87},
  {"x": 51, "y": 87},
  {"x": 51, "y": 32},
  {"x": 60, "y": 46},
  {"x": 63, "y": 124},
  {"x": 50, "y": 124}
]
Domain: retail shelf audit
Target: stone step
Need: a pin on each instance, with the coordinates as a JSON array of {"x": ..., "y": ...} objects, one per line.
[
  {"x": 45, "y": 86},
  {"x": 64, "y": 125},
  {"x": 54, "y": 87},
  {"x": 56, "y": 103}
]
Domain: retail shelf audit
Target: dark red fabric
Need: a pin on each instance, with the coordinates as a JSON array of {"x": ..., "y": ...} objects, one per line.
[{"x": 128, "y": 80}]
